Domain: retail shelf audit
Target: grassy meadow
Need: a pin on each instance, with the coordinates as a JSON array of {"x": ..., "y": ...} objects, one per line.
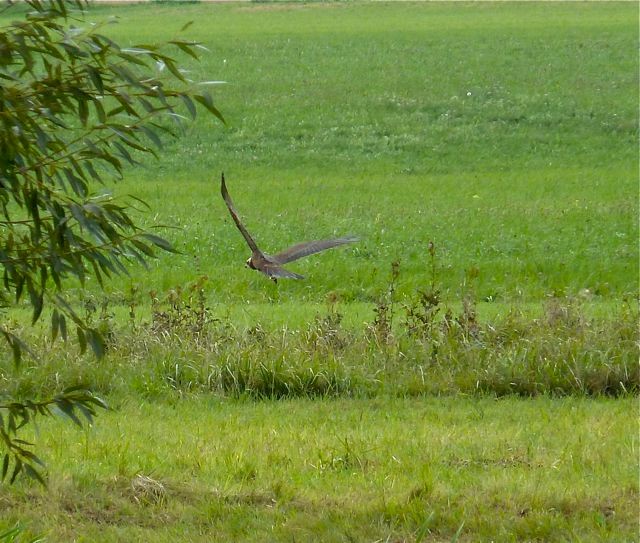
[
  {"x": 505, "y": 136},
  {"x": 425, "y": 469},
  {"x": 484, "y": 390}
]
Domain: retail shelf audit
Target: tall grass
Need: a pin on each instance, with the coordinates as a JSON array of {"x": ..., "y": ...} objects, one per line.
[{"x": 414, "y": 346}]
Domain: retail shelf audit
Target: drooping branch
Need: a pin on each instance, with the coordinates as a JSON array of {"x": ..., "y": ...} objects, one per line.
[
  {"x": 75, "y": 403},
  {"x": 75, "y": 107}
]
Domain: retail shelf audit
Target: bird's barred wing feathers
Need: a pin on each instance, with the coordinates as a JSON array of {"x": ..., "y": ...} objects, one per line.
[
  {"x": 308, "y": 248},
  {"x": 236, "y": 219}
]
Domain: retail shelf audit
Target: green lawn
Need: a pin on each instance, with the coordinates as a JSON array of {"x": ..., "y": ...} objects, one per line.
[
  {"x": 341, "y": 470},
  {"x": 506, "y": 133}
]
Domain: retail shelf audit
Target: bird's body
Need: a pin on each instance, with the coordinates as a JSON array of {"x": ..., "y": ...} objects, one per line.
[
  {"x": 266, "y": 265},
  {"x": 271, "y": 266}
]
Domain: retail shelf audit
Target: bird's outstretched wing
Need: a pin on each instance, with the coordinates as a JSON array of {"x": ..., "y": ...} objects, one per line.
[
  {"x": 278, "y": 272},
  {"x": 308, "y": 248},
  {"x": 236, "y": 219}
]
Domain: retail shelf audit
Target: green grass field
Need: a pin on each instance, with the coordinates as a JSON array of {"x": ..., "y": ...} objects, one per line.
[
  {"x": 341, "y": 470},
  {"x": 507, "y": 134}
]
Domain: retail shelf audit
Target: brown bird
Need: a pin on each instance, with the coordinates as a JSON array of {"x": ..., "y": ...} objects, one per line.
[{"x": 271, "y": 266}]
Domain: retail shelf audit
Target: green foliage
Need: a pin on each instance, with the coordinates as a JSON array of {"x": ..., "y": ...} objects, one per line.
[
  {"x": 15, "y": 415},
  {"x": 75, "y": 109}
]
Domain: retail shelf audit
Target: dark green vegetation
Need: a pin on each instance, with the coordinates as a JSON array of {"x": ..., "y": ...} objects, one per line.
[
  {"x": 416, "y": 347},
  {"x": 504, "y": 133}
]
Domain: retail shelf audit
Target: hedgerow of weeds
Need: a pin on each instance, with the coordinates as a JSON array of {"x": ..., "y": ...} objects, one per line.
[{"x": 422, "y": 346}]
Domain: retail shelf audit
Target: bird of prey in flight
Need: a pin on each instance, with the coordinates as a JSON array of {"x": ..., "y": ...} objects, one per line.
[{"x": 271, "y": 265}]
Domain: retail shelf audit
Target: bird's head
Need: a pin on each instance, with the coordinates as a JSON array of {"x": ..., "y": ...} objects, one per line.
[{"x": 249, "y": 263}]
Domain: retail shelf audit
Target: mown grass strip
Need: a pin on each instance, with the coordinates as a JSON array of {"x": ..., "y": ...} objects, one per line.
[{"x": 510, "y": 469}]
